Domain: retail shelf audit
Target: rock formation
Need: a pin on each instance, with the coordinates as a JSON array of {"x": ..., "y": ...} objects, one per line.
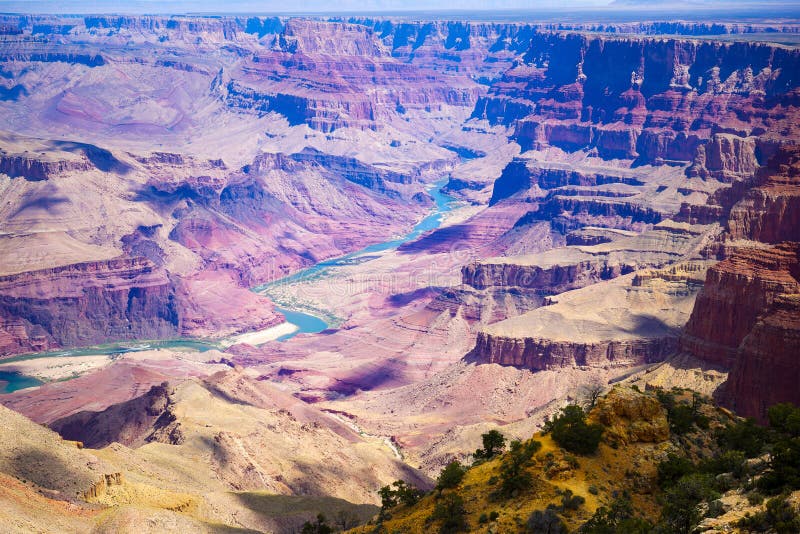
[
  {"x": 90, "y": 303},
  {"x": 736, "y": 293},
  {"x": 765, "y": 370},
  {"x": 603, "y": 325},
  {"x": 744, "y": 316},
  {"x": 650, "y": 100},
  {"x": 631, "y": 417},
  {"x": 130, "y": 423},
  {"x": 770, "y": 212}
]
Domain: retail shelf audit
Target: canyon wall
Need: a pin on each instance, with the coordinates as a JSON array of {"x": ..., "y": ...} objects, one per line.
[
  {"x": 604, "y": 325},
  {"x": 89, "y": 303},
  {"x": 737, "y": 291},
  {"x": 653, "y": 101},
  {"x": 745, "y": 318},
  {"x": 542, "y": 354},
  {"x": 623, "y": 134}
]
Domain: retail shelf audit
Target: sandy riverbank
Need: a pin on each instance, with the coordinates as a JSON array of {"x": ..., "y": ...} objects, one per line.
[
  {"x": 261, "y": 336},
  {"x": 57, "y": 367}
]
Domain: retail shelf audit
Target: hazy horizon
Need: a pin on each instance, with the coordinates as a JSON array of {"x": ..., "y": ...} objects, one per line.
[{"x": 364, "y": 6}]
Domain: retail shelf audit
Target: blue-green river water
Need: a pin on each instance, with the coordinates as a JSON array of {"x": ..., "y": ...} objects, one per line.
[{"x": 306, "y": 323}]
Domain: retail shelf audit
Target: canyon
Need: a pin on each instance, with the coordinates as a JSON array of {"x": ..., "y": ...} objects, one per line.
[{"x": 481, "y": 218}]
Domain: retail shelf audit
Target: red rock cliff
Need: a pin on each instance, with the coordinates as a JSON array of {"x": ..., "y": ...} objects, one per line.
[
  {"x": 650, "y": 100},
  {"x": 736, "y": 293},
  {"x": 767, "y": 366},
  {"x": 770, "y": 212},
  {"x": 87, "y": 303}
]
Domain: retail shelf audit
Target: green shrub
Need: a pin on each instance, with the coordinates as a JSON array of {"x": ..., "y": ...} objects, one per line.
[
  {"x": 320, "y": 527},
  {"x": 483, "y": 519},
  {"x": 681, "y": 513},
  {"x": 785, "y": 418},
  {"x": 514, "y": 476},
  {"x": 545, "y": 522},
  {"x": 672, "y": 469},
  {"x": 451, "y": 514},
  {"x": 779, "y": 516},
  {"x": 784, "y": 473},
  {"x": 681, "y": 419},
  {"x": 571, "y": 431},
  {"x": 745, "y": 436},
  {"x": 615, "y": 519},
  {"x": 725, "y": 462},
  {"x": 399, "y": 492},
  {"x": 569, "y": 501},
  {"x": 451, "y": 476},
  {"x": 494, "y": 515},
  {"x": 493, "y": 444}
]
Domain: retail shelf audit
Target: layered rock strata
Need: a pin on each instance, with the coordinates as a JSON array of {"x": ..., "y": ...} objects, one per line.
[
  {"x": 573, "y": 267},
  {"x": 88, "y": 303},
  {"x": 606, "y": 325},
  {"x": 655, "y": 101}
]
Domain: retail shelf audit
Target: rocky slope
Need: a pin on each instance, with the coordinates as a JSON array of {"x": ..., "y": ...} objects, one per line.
[
  {"x": 193, "y": 474},
  {"x": 736, "y": 292},
  {"x": 769, "y": 212},
  {"x": 624, "y": 479},
  {"x": 131, "y": 423},
  {"x": 89, "y": 302},
  {"x": 751, "y": 294},
  {"x": 764, "y": 371},
  {"x": 315, "y": 74},
  {"x": 745, "y": 320},
  {"x": 576, "y": 266}
]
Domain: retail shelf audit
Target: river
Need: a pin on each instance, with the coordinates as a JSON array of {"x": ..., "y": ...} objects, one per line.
[
  {"x": 305, "y": 322},
  {"x": 308, "y": 323}
]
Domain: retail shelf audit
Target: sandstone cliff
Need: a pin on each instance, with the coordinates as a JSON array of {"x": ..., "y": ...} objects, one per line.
[
  {"x": 736, "y": 292},
  {"x": 653, "y": 101},
  {"x": 573, "y": 267},
  {"x": 770, "y": 212},
  {"x": 765, "y": 370},
  {"x": 605, "y": 325},
  {"x": 316, "y": 74},
  {"x": 744, "y": 318},
  {"x": 89, "y": 303}
]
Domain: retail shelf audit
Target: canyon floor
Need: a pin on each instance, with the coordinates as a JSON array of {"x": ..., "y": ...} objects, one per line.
[{"x": 255, "y": 268}]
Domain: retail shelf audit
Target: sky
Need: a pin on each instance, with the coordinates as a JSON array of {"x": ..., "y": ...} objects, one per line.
[{"x": 293, "y": 6}]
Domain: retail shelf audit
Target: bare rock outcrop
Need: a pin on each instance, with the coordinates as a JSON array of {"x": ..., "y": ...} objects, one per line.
[
  {"x": 37, "y": 169},
  {"x": 541, "y": 354},
  {"x": 131, "y": 423},
  {"x": 654, "y": 101},
  {"x": 610, "y": 324},
  {"x": 555, "y": 271},
  {"x": 315, "y": 73},
  {"x": 631, "y": 417},
  {"x": 766, "y": 368}
]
